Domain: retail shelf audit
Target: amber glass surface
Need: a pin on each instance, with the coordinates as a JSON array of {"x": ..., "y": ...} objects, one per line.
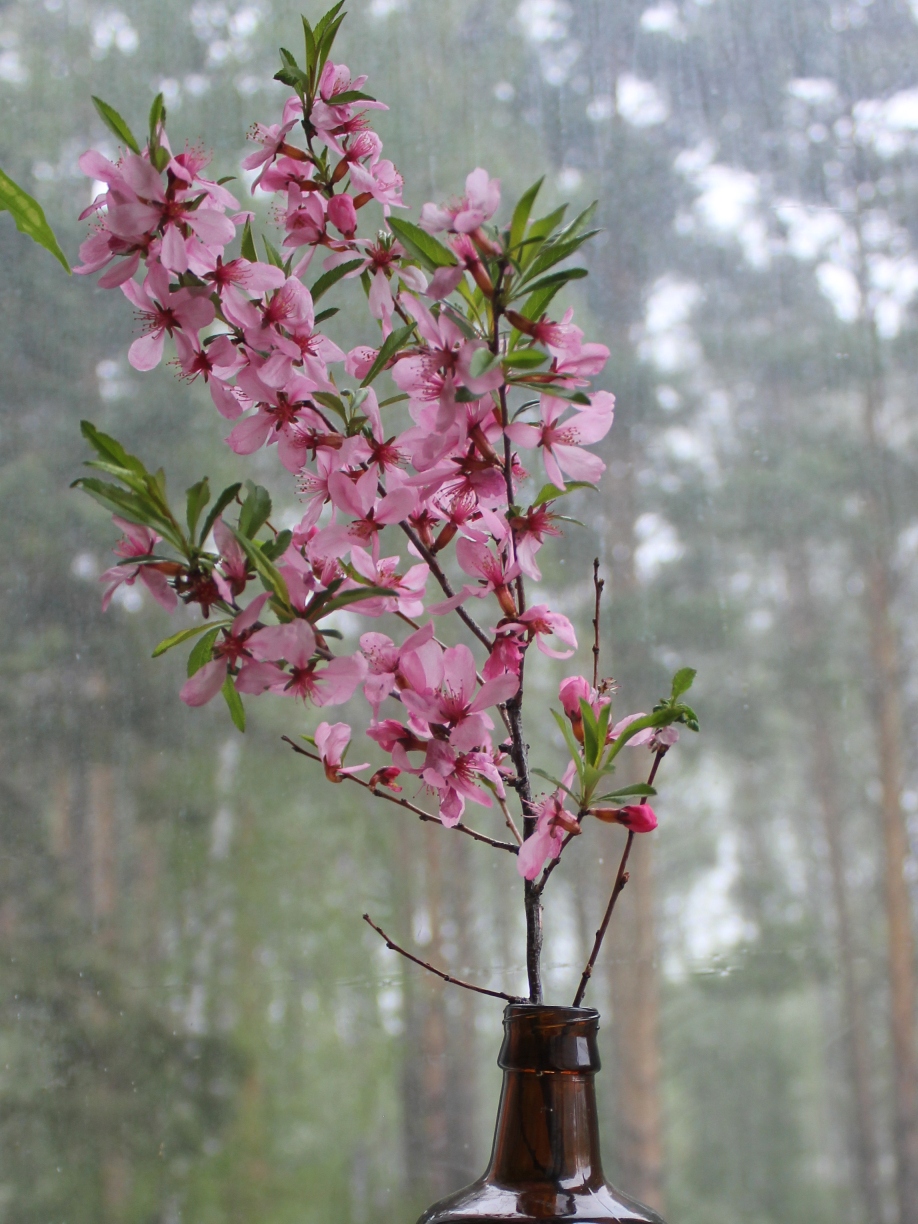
[{"x": 545, "y": 1163}]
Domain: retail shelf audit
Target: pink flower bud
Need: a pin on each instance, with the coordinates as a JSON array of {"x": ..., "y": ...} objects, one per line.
[
  {"x": 570, "y": 692},
  {"x": 638, "y": 817},
  {"x": 343, "y": 214}
]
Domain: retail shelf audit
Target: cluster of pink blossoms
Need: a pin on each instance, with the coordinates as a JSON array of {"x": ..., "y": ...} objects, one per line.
[{"x": 480, "y": 398}]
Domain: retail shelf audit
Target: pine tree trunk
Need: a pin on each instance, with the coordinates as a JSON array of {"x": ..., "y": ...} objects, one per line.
[
  {"x": 886, "y": 683},
  {"x": 824, "y": 785},
  {"x": 636, "y": 1002}
]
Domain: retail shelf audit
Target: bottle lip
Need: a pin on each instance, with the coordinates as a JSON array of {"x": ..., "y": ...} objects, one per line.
[{"x": 545, "y": 1038}]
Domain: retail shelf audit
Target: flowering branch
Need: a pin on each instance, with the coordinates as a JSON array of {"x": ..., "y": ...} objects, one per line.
[
  {"x": 447, "y": 977},
  {"x": 459, "y": 314},
  {"x": 410, "y": 807}
]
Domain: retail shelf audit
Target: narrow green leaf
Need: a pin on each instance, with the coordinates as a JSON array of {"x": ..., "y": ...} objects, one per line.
[
  {"x": 350, "y": 95},
  {"x": 591, "y": 745},
  {"x": 116, "y": 124},
  {"x": 198, "y": 497},
  {"x": 393, "y": 343},
  {"x": 525, "y": 359},
  {"x": 555, "y": 782},
  {"x": 326, "y": 314},
  {"x": 522, "y": 211},
  {"x": 183, "y": 635},
  {"x": 249, "y": 250},
  {"x": 682, "y": 682},
  {"x": 482, "y": 362},
  {"x": 423, "y": 246},
  {"x": 202, "y": 652},
  {"x": 274, "y": 255},
  {"x": 256, "y": 509},
  {"x": 217, "y": 509},
  {"x": 557, "y": 280},
  {"x": 310, "y": 40},
  {"x": 29, "y": 217},
  {"x": 640, "y": 790},
  {"x": 539, "y": 232},
  {"x": 124, "y": 503},
  {"x": 551, "y": 492},
  {"x": 349, "y": 597},
  {"x": 276, "y": 548},
  {"x": 271, "y": 577},
  {"x": 157, "y": 116},
  {"x": 234, "y": 703},
  {"x": 332, "y": 276},
  {"x": 602, "y": 727},
  {"x": 110, "y": 449},
  {"x": 572, "y": 745}
]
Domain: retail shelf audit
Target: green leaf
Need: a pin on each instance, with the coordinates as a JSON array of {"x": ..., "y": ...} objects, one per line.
[
  {"x": 256, "y": 510},
  {"x": 234, "y": 703},
  {"x": 555, "y": 782},
  {"x": 682, "y": 682},
  {"x": 573, "y": 746},
  {"x": 278, "y": 546},
  {"x": 349, "y": 597},
  {"x": 29, "y": 217},
  {"x": 124, "y": 503},
  {"x": 525, "y": 359},
  {"x": 557, "y": 280},
  {"x": 249, "y": 250},
  {"x": 325, "y": 314},
  {"x": 325, "y": 282},
  {"x": 592, "y": 748},
  {"x": 116, "y": 124},
  {"x": 274, "y": 255},
  {"x": 183, "y": 635},
  {"x": 522, "y": 211},
  {"x": 198, "y": 497},
  {"x": 310, "y": 40},
  {"x": 395, "y": 341},
  {"x": 551, "y": 492},
  {"x": 271, "y": 577},
  {"x": 202, "y": 651},
  {"x": 602, "y": 726},
  {"x": 217, "y": 509},
  {"x": 334, "y": 403},
  {"x": 110, "y": 449},
  {"x": 560, "y": 392},
  {"x": 349, "y": 95},
  {"x": 539, "y": 231},
  {"x": 638, "y": 790},
  {"x": 423, "y": 246},
  {"x": 157, "y": 116},
  {"x": 325, "y": 32},
  {"x": 482, "y": 362}
]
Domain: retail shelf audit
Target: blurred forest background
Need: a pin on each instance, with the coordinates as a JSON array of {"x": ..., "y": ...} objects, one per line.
[{"x": 195, "y": 1026}]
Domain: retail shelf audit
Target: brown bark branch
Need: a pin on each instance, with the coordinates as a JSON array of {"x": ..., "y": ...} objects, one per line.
[
  {"x": 621, "y": 880},
  {"x": 447, "y": 977},
  {"x": 445, "y": 584},
  {"x": 598, "y": 584},
  {"x": 410, "y": 807}
]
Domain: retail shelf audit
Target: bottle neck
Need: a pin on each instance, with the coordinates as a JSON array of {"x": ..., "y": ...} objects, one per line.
[{"x": 547, "y": 1131}]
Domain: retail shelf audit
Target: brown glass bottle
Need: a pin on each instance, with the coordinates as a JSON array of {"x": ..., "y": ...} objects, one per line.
[{"x": 545, "y": 1163}]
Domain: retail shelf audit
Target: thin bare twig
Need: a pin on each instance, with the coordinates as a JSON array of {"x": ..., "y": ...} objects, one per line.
[
  {"x": 445, "y": 583},
  {"x": 447, "y": 977},
  {"x": 598, "y": 584},
  {"x": 511, "y": 825},
  {"x": 621, "y": 880},
  {"x": 410, "y": 807}
]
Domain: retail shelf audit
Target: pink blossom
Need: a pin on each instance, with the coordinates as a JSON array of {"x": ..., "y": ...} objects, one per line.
[
  {"x": 162, "y": 311},
  {"x": 479, "y": 204},
  {"x": 137, "y": 542},
  {"x": 540, "y": 622},
  {"x": 636, "y": 817},
  {"x": 561, "y": 443},
  {"x": 545, "y": 843},
  {"x": 449, "y": 698},
  {"x": 407, "y": 588},
  {"x": 295, "y": 644},
  {"x": 234, "y": 648},
  {"x": 458, "y": 776},
  {"x": 342, "y": 214},
  {"x": 331, "y": 741}
]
